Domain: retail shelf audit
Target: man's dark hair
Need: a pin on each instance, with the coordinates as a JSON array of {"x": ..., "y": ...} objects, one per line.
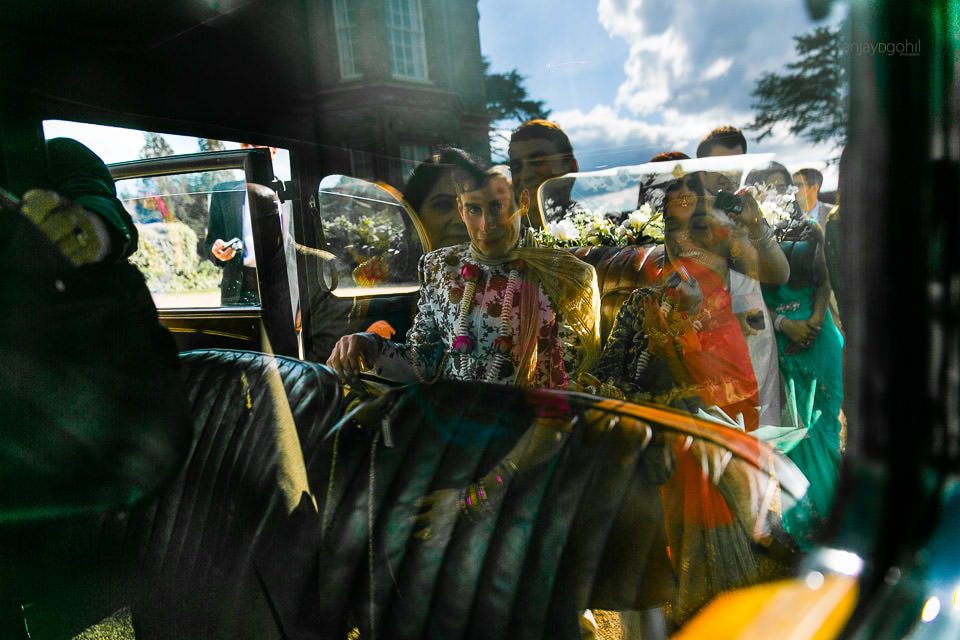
[
  {"x": 667, "y": 156},
  {"x": 810, "y": 176},
  {"x": 540, "y": 129},
  {"x": 726, "y": 136},
  {"x": 428, "y": 172}
]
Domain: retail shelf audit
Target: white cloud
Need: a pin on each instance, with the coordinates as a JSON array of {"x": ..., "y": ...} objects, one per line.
[
  {"x": 603, "y": 136},
  {"x": 604, "y": 130},
  {"x": 653, "y": 68},
  {"x": 717, "y": 69},
  {"x": 689, "y": 68}
]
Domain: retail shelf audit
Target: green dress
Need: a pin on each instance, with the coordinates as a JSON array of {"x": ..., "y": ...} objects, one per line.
[{"x": 813, "y": 385}]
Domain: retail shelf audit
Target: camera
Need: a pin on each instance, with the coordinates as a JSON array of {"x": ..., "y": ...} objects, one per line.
[{"x": 729, "y": 202}]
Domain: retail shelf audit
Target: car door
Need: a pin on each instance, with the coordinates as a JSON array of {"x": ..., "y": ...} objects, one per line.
[{"x": 182, "y": 205}]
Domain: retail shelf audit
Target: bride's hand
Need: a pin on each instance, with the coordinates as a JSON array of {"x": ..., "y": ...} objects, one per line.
[
  {"x": 434, "y": 525},
  {"x": 655, "y": 327}
]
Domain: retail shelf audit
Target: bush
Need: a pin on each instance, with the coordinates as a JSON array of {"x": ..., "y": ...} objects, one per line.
[{"x": 168, "y": 259}]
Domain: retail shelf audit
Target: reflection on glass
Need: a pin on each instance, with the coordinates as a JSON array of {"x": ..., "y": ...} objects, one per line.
[
  {"x": 727, "y": 316},
  {"x": 369, "y": 231},
  {"x": 631, "y": 509},
  {"x": 175, "y": 216}
]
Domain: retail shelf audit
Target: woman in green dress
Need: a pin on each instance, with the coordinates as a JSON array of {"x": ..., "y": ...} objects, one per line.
[{"x": 810, "y": 351}]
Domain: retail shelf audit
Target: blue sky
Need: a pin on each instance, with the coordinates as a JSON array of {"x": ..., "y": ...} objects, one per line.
[{"x": 629, "y": 78}]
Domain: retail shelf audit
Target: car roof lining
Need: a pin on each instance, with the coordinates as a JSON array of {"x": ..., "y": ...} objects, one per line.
[{"x": 242, "y": 66}]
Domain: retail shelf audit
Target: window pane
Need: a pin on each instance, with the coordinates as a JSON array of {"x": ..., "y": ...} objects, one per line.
[
  {"x": 405, "y": 36},
  {"x": 410, "y": 156},
  {"x": 180, "y": 217},
  {"x": 348, "y": 43},
  {"x": 368, "y": 231}
]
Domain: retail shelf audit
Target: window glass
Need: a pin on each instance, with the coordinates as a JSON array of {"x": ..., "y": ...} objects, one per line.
[
  {"x": 412, "y": 154},
  {"x": 688, "y": 153},
  {"x": 362, "y": 164},
  {"x": 348, "y": 42},
  {"x": 180, "y": 218},
  {"x": 370, "y": 233},
  {"x": 408, "y": 57}
]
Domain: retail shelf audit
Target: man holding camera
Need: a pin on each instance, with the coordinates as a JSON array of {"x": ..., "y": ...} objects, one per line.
[{"x": 229, "y": 244}]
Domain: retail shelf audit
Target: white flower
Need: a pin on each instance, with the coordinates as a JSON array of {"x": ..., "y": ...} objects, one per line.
[
  {"x": 776, "y": 209},
  {"x": 636, "y": 220},
  {"x": 639, "y": 219},
  {"x": 564, "y": 230}
]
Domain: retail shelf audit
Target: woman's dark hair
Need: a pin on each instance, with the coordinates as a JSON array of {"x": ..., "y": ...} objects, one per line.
[
  {"x": 648, "y": 193},
  {"x": 762, "y": 174},
  {"x": 694, "y": 182},
  {"x": 428, "y": 172}
]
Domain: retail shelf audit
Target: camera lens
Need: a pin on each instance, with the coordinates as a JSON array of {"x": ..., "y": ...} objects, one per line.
[{"x": 729, "y": 202}]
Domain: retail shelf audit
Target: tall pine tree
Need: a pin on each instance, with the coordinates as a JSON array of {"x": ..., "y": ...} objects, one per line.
[
  {"x": 508, "y": 101},
  {"x": 155, "y": 146},
  {"x": 810, "y": 95}
]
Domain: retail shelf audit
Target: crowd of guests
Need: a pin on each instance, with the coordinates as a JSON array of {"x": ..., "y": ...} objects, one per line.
[{"x": 741, "y": 324}]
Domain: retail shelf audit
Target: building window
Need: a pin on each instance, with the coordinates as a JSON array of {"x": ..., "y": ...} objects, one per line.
[
  {"x": 348, "y": 40},
  {"x": 412, "y": 154},
  {"x": 408, "y": 53},
  {"x": 361, "y": 164}
]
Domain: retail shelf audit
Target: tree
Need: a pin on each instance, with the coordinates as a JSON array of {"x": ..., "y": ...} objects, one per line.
[
  {"x": 209, "y": 144},
  {"x": 155, "y": 146},
  {"x": 811, "y": 95},
  {"x": 507, "y": 100}
]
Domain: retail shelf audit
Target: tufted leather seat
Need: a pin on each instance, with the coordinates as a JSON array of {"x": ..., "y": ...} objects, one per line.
[
  {"x": 620, "y": 270},
  {"x": 199, "y": 539},
  {"x": 521, "y": 572},
  {"x": 186, "y": 558}
]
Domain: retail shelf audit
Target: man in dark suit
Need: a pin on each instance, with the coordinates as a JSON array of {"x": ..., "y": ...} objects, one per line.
[{"x": 229, "y": 244}]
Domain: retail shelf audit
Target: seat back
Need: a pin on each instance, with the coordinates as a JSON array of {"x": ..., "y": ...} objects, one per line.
[
  {"x": 521, "y": 571},
  {"x": 198, "y": 541},
  {"x": 184, "y": 559}
]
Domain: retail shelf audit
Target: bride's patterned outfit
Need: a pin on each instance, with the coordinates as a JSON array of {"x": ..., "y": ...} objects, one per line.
[{"x": 429, "y": 341}]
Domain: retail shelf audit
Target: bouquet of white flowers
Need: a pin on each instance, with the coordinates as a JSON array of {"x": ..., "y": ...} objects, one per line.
[
  {"x": 581, "y": 227},
  {"x": 584, "y": 228},
  {"x": 775, "y": 206}
]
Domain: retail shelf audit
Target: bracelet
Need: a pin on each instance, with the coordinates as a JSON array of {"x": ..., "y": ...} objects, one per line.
[
  {"x": 765, "y": 236},
  {"x": 473, "y": 500},
  {"x": 778, "y": 324}
]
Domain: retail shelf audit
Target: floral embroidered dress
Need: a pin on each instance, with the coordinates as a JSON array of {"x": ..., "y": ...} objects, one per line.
[{"x": 430, "y": 342}]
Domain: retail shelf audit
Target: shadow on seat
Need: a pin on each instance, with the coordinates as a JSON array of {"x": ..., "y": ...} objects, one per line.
[{"x": 186, "y": 560}]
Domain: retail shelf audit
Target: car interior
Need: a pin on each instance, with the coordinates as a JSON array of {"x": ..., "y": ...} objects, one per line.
[{"x": 286, "y": 509}]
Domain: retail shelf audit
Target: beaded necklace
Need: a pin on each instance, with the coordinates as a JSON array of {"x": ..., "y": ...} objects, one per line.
[{"x": 503, "y": 343}]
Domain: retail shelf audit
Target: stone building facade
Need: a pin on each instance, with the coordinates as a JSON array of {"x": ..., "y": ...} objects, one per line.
[{"x": 398, "y": 79}]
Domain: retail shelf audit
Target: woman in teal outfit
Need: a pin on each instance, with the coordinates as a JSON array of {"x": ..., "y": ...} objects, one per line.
[{"x": 810, "y": 350}]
